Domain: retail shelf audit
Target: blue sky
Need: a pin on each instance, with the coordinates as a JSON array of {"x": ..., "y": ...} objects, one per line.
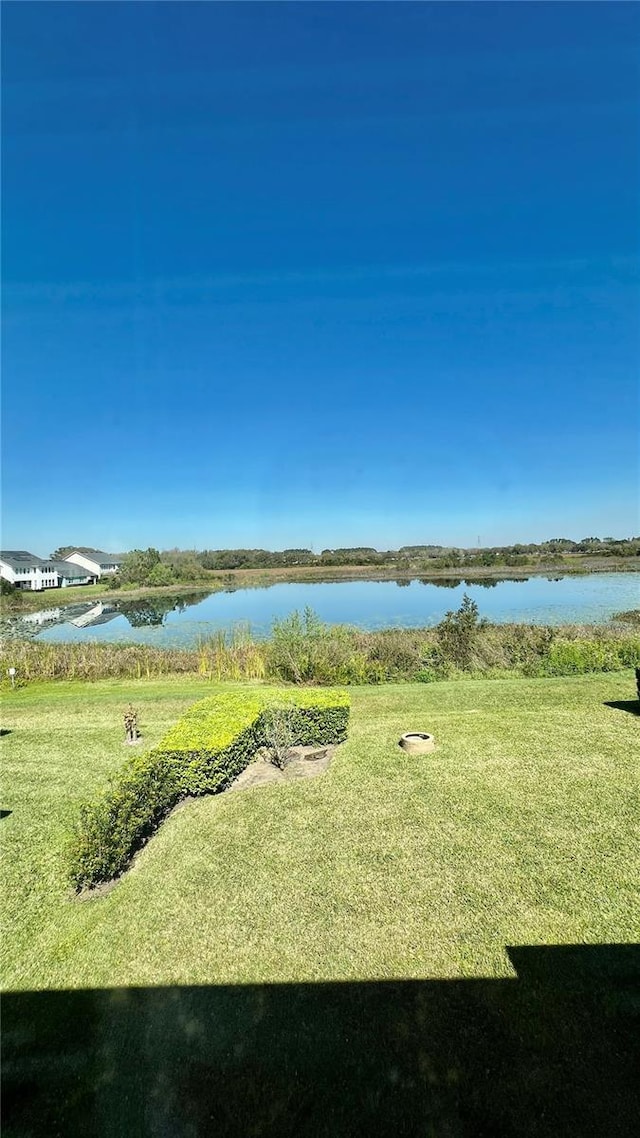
[{"x": 319, "y": 274}]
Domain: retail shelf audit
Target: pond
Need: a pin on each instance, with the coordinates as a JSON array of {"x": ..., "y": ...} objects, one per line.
[{"x": 186, "y": 619}]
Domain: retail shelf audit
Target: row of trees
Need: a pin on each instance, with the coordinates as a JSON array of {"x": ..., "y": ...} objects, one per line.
[{"x": 174, "y": 566}]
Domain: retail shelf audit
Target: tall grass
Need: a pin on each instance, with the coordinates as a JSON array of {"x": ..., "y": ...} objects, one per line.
[{"x": 303, "y": 650}]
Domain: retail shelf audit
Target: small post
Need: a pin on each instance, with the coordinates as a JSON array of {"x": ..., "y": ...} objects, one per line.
[
  {"x": 12, "y": 674},
  {"x": 131, "y": 725}
]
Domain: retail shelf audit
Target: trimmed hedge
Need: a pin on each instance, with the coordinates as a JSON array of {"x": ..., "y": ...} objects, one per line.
[{"x": 206, "y": 749}]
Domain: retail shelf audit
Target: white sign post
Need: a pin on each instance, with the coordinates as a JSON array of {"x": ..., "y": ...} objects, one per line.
[{"x": 12, "y": 673}]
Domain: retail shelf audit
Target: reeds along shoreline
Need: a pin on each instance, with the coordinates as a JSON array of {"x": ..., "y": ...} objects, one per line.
[{"x": 322, "y": 654}]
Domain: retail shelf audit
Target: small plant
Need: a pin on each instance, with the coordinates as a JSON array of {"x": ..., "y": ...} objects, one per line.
[{"x": 278, "y": 724}]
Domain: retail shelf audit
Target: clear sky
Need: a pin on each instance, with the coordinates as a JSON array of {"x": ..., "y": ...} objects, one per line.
[{"x": 320, "y": 274}]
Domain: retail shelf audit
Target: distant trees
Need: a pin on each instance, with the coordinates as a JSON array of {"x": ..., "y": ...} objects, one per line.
[
  {"x": 255, "y": 558},
  {"x": 142, "y": 567},
  {"x": 152, "y": 568},
  {"x": 61, "y": 552}
]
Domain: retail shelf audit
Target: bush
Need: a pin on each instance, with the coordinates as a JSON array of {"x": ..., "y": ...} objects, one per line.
[
  {"x": 161, "y": 575},
  {"x": 427, "y": 676},
  {"x": 302, "y": 649},
  {"x": 458, "y": 632},
  {"x": 120, "y": 821},
  {"x": 577, "y": 657},
  {"x": 208, "y": 747},
  {"x": 279, "y": 734}
]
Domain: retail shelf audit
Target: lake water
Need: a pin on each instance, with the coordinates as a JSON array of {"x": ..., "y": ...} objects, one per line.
[{"x": 188, "y": 619}]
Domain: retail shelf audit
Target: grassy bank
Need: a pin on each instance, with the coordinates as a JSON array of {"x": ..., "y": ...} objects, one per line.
[
  {"x": 519, "y": 830},
  {"x": 273, "y": 954},
  {"x": 302, "y": 650}
]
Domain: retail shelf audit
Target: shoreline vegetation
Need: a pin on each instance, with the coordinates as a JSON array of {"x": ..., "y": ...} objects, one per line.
[
  {"x": 212, "y": 580},
  {"x": 303, "y": 650}
]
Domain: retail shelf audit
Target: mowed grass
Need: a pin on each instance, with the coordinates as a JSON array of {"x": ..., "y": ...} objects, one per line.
[{"x": 521, "y": 829}]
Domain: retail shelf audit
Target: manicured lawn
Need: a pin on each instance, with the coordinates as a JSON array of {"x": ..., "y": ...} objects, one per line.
[
  {"x": 520, "y": 829},
  {"x": 357, "y": 954}
]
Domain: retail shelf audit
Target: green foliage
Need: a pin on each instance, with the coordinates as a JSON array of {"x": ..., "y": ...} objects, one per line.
[
  {"x": 201, "y": 754},
  {"x": 427, "y": 675},
  {"x": 137, "y": 566},
  {"x": 184, "y": 564},
  {"x": 304, "y": 650},
  {"x": 577, "y": 657},
  {"x": 160, "y": 575},
  {"x": 6, "y": 588},
  {"x": 458, "y": 633},
  {"x": 113, "y": 826},
  {"x": 61, "y": 552}
]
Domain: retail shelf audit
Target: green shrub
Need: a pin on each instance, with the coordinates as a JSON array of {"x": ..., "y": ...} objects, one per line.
[
  {"x": 121, "y": 820},
  {"x": 302, "y": 649},
  {"x": 458, "y": 632},
  {"x": 427, "y": 676},
  {"x": 577, "y": 657},
  {"x": 208, "y": 747}
]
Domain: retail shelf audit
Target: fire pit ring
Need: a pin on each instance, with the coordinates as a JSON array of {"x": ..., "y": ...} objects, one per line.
[{"x": 417, "y": 742}]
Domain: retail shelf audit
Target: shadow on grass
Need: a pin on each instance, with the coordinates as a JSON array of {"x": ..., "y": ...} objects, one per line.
[
  {"x": 5, "y": 731},
  {"x": 630, "y": 705},
  {"x": 550, "y": 1052},
  {"x": 5, "y": 813}
]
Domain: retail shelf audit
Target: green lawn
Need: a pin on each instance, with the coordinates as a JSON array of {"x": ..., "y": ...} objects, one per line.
[
  {"x": 520, "y": 829},
  {"x": 356, "y": 954}
]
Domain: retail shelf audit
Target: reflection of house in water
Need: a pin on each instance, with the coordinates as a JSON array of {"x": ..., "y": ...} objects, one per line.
[{"x": 97, "y": 614}]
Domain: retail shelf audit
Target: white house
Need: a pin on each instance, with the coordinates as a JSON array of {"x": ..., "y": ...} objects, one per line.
[
  {"x": 70, "y": 574},
  {"x": 26, "y": 570},
  {"x": 98, "y": 563}
]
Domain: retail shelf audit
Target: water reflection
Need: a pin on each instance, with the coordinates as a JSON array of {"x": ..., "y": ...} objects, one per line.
[
  {"x": 183, "y": 619},
  {"x": 139, "y": 612},
  {"x": 151, "y": 612}
]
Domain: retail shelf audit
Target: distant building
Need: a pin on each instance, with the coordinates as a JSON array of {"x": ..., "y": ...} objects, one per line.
[
  {"x": 95, "y": 561},
  {"x": 27, "y": 570}
]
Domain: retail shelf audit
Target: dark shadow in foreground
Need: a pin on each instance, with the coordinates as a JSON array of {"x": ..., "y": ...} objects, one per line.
[
  {"x": 5, "y": 731},
  {"x": 630, "y": 705},
  {"x": 5, "y": 813},
  {"x": 550, "y": 1052}
]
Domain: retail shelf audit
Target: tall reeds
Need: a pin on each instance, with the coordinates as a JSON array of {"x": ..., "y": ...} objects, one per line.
[{"x": 303, "y": 650}]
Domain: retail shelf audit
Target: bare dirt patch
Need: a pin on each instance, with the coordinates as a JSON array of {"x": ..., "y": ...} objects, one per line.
[{"x": 304, "y": 762}]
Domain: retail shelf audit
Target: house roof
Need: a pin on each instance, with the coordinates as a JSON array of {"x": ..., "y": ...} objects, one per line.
[
  {"x": 70, "y": 569},
  {"x": 19, "y": 558},
  {"x": 97, "y": 555}
]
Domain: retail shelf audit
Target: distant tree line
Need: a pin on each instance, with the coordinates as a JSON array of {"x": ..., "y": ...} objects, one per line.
[{"x": 151, "y": 567}]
